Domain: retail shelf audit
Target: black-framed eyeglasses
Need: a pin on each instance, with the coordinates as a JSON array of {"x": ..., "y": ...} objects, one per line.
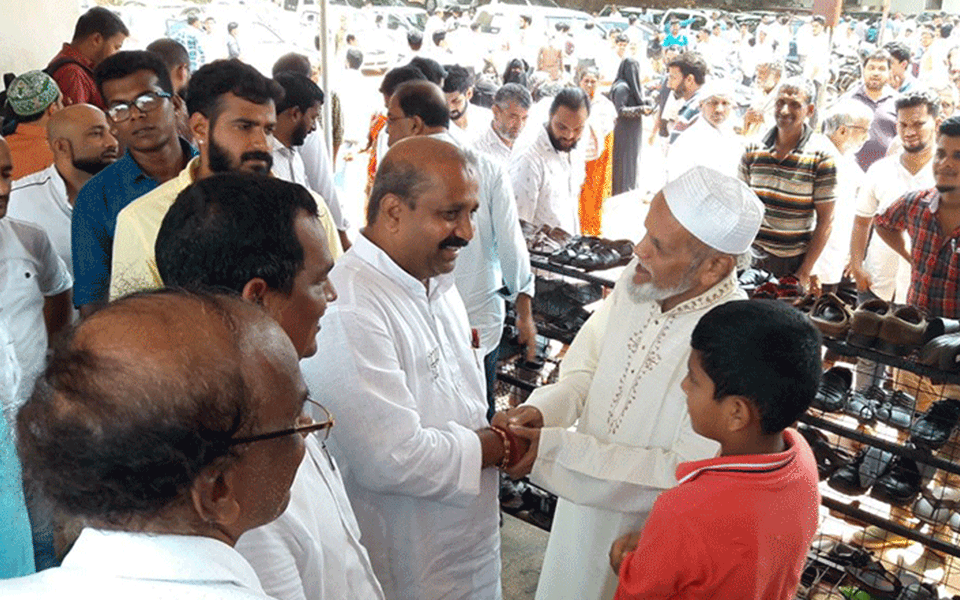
[
  {"x": 304, "y": 430},
  {"x": 145, "y": 103}
]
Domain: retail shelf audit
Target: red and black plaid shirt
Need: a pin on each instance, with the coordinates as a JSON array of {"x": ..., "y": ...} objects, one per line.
[{"x": 935, "y": 258}]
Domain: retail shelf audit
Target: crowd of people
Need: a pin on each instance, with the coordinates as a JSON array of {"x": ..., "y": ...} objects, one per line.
[{"x": 174, "y": 241}]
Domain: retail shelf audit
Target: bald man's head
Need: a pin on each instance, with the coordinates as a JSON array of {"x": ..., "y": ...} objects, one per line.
[
  {"x": 416, "y": 108},
  {"x": 79, "y": 136}
]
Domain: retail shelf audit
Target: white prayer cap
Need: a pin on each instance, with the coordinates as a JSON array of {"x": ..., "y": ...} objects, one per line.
[
  {"x": 720, "y": 211},
  {"x": 723, "y": 88}
]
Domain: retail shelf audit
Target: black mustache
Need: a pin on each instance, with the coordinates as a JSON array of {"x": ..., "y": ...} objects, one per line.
[
  {"x": 453, "y": 242},
  {"x": 257, "y": 155}
]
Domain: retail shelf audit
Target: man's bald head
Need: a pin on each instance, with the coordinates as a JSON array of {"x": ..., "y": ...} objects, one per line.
[
  {"x": 141, "y": 398},
  {"x": 416, "y": 108},
  {"x": 410, "y": 167},
  {"x": 79, "y": 136}
]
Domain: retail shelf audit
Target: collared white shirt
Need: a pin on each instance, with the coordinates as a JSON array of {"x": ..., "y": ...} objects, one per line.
[
  {"x": 547, "y": 184},
  {"x": 312, "y": 551},
  {"x": 886, "y": 180},
  {"x": 490, "y": 143},
  {"x": 41, "y": 198},
  {"x": 121, "y": 565},
  {"x": 394, "y": 364},
  {"x": 836, "y": 253},
  {"x": 478, "y": 121},
  {"x": 30, "y": 271},
  {"x": 319, "y": 173},
  {"x": 496, "y": 256},
  {"x": 620, "y": 386},
  {"x": 703, "y": 145},
  {"x": 287, "y": 164}
]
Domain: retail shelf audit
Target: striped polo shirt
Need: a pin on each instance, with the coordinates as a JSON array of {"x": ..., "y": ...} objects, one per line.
[{"x": 789, "y": 189}]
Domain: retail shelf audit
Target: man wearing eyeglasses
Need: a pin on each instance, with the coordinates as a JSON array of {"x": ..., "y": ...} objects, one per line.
[
  {"x": 142, "y": 114},
  {"x": 232, "y": 111},
  {"x": 168, "y": 424},
  {"x": 395, "y": 364},
  {"x": 259, "y": 238}
]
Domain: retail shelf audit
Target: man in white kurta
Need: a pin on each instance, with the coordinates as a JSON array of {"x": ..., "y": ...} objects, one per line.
[
  {"x": 615, "y": 425},
  {"x": 407, "y": 388},
  {"x": 710, "y": 141}
]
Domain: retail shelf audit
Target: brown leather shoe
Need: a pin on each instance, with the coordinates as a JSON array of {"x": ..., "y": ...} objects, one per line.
[
  {"x": 831, "y": 316},
  {"x": 902, "y": 331},
  {"x": 865, "y": 325}
]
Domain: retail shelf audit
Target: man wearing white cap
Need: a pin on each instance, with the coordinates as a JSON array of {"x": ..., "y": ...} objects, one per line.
[
  {"x": 620, "y": 382},
  {"x": 710, "y": 141}
]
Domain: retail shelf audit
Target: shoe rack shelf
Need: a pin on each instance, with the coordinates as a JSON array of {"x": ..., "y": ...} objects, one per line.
[
  {"x": 845, "y": 349},
  {"x": 543, "y": 265}
]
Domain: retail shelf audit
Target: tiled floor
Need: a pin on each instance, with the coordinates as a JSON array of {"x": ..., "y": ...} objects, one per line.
[{"x": 522, "y": 547}]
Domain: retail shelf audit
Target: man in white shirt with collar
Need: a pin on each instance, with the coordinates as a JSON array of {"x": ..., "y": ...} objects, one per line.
[
  {"x": 82, "y": 146},
  {"x": 471, "y": 120},
  {"x": 547, "y": 175},
  {"x": 511, "y": 105},
  {"x": 710, "y": 141},
  {"x": 395, "y": 364},
  {"x": 620, "y": 382},
  {"x": 167, "y": 484},
  {"x": 297, "y": 115}
]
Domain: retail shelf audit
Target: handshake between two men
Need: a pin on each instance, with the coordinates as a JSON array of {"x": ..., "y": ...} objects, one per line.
[{"x": 519, "y": 432}]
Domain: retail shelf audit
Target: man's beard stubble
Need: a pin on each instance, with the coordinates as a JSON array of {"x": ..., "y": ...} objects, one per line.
[
  {"x": 220, "y": 159},
  {"x": 557, "y": 144}
]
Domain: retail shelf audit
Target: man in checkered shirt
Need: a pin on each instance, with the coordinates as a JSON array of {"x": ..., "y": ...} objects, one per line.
[{"x": 932, "y": 220}]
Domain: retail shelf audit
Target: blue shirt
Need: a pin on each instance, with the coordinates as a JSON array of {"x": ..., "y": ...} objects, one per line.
[
  {"x": 95, "y": 217},
  {"x": 679, "y": 40}
]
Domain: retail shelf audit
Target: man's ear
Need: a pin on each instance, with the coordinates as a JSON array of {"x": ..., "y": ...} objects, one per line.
[
  {"x": 214, "y": 496},
  {"x": 255, "y": 290},
  {"x": 715, "y": 268},
  {"x": 391, "y": 210},
  {"x": 61, "y": 147},
  {"x": 469, "y": 93},
  {"x": 418, "y": 125},
  {"x": 738, "y": 413},
  {"x": 199, "y": 127}
]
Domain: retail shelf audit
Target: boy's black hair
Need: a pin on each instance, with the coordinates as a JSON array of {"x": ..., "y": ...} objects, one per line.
[{"x": 765, "y": 351}]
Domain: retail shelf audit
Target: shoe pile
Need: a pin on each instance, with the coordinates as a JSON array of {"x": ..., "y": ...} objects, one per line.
[
  {"x": 889, "y": 478},
  {"x": 592, "y": 253},
  {"x": 544, "y": 240},
  {"x": 528, "y": 502},
  {"x": 560, "y": 307},
  {"x": 875, "y": 404},
  {"x": 786, "y": 288},
  {"x": 877, "y": 325}
]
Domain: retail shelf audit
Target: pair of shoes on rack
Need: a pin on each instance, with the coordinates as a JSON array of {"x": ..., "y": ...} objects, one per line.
[
  {"x": 832, "y": 316},
  {"x": 786, "y": 288},
  {"x": 937, "y": 505},
  {"x": 889, "y": 478},
  {"x": 592, "y": 253},
  {"x": 868, "y": 406},
  {"x": 877, "y": 325},
  {"x": 752, "y": 278},
  {"x": 934, "y": 428},
  {"x": 942, "y": 352}
]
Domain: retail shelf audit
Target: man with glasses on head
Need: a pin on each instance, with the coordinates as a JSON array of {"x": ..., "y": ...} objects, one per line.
[
  {"x": 142, "y": 113},
  {"x": 232, "y": 116},
  {"x": 168, "y": 424},
  {"x": 259, "y": 238}
]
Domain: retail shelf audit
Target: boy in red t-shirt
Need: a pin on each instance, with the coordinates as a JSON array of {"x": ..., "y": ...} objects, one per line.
[{"x": 737, "y": 526}]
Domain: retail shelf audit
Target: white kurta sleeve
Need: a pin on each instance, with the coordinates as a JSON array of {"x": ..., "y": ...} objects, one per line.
[
  {"x": 526, "y": 174},
  {"x": 272, "y": 552},
  {"x": 379, "y": 428},
  {"x": 511, "y": 247}
]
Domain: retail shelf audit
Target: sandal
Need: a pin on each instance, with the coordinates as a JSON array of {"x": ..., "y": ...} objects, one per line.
[{"x": 876, "y": 580}]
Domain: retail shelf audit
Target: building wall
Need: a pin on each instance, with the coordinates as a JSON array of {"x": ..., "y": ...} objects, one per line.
[{"x": 33, "y": 31}]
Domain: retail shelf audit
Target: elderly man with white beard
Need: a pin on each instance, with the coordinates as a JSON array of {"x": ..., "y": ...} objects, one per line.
[{"x": 620, "y": 382}]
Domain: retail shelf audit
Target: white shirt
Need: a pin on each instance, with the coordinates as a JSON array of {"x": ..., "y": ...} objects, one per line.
[
  {"x": 319, "y": 171},
  {"x": 496, "y": 256},
  {"x": 836, "y": 253},
  {"x": 704, "y": 145},
  {"x": 395, "y": 366},
  {"x": 478, "y": 121},
  {"x": 547, "y": 184},
  {"x": 620, "y": 384},
  {"x": 287, "y": 164},
  {"x": 312, "y": 551},
  {"x": 30, "y": 270},
  {"x": 490, "y": 143},
  {"x": 41, "y": 198},
  {"x": 120, "y": 565},
  {"x": 886, "y": 180}
]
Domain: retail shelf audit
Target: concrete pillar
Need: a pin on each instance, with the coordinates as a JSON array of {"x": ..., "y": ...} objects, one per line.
[{"x": 33, "y": 31}]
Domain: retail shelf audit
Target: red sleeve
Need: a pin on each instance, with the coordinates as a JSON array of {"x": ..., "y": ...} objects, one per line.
[
  {"x": 895, "y": 217},
  {"x": 667, "y": 560}
]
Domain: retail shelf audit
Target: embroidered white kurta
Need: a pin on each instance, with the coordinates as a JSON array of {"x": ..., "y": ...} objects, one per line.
[
  {"x": 621, "y": 379},
  {"x": 395, "y": 367},
  {"x": 312, "y": 551}
]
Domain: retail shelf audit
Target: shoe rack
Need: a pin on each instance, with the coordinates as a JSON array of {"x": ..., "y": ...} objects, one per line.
[{"x": 866, "y": 544}]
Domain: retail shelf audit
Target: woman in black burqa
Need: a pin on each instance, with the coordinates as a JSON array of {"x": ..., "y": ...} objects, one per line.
[{"x": 627, "y": 96}]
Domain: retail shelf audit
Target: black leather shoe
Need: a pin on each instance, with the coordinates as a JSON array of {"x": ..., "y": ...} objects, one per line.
[
  {"x": 833, "y": 389},
  {"x": 933, "y": 429},
  {"x": 828, "y": 457},
  {"x": 846, "y": 479},
  {"x": 900, "y": 485}
]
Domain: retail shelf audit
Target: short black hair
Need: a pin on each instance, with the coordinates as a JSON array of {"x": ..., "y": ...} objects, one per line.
[
  {"x": 458, "y": 79},
  {"x": 950, "y": 127},
  {"x": 126, "y": 63},
  {"x": 226, "y": 229},
  {"x": 898, "y": 50},
  {"x": 192, "y": 18},
  {"x": 292, "y": 61},
  {"x": 765, "y": 351},
  {"x": 430, "y": 68},
  {"x": 438, "y": 36},
  {"x": 98, "y": 20},
  {"x": 354, "y": 58},
  {"x": 414, "y": 39},
  {"x": 414, "y": 101},
  {"x": 171, "y": 52},
  {"x": 691, "y": 63},
  {"x": 350, "y": 38},
  {"x": 298, "y": 91},
  {"x": 228, "y": 76},
  {"x": 919, "y": 98},
  {"x": 231, "y": 26},
  {"x": 878, "y": 55},
  {"x": 572, "y": 98},
  {"x": 397, "y": 75}
]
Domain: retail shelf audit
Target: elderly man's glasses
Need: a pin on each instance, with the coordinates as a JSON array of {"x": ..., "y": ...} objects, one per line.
[
  {"x": 307, "y": 426},
  {"x": 145, "y": 103}
]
